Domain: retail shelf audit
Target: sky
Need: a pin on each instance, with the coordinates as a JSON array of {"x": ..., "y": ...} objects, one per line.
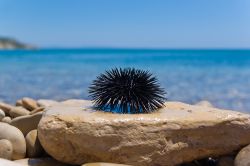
[{"x": 128, "y": 23}]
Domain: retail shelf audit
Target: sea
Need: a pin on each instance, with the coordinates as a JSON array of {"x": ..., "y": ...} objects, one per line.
[{"x": 219, "y": 76}]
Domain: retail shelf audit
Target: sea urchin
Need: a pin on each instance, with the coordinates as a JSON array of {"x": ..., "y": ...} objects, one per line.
[{"x": 127, "y": 90}]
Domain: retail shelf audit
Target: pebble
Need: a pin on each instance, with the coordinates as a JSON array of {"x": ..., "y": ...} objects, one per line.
[
  {"x": 15, "y": 136},
  {"x": 6, "y": 119},
  {"x": 27, "y": 123},
  {"x": 6, "y": 149},
  {"x": 46, "y": 103},
  {"x": 5, "y": 107},
  {"x": 243, "y": 157},
  {"x": 39, "y": 109},
  {"x": 19, "y": 102},
  {"x": 29, "y": 103},
  {"x": 34, "y": 148},
  {"x": 2, "y": 114},
  {"x": 18, "y": 111}
]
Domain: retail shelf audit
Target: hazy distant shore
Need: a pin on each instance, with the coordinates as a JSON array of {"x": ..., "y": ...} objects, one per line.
[{"x": 12, "y": 44}]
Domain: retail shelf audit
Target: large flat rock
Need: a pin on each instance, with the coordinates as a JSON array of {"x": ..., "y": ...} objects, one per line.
[{"x": 74, "y": 133}]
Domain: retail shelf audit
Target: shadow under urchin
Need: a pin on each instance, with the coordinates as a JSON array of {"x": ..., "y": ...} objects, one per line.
[{"x": 127, "y": 90}]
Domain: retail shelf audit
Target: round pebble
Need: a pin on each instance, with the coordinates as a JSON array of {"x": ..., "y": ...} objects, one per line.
[
  {"x": 6, "y": 119},
  {"x": 34, "y": 148},
  {"x": 15, "y": 136}
]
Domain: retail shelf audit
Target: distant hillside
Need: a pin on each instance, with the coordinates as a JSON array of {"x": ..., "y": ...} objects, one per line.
[{"x": 9, "y": 43}]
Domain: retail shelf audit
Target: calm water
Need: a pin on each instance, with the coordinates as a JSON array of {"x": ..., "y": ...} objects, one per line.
[{"x": 219, "y": 76}]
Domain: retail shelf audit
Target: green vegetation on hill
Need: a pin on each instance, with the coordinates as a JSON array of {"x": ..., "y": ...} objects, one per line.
[{"x": 9, "y": 43}]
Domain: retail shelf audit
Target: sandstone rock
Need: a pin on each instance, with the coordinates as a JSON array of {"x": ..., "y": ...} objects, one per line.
[
  {"x": 243, "y": 157},
  {"x": 175, "y": 134},
  {"x": 226, "y": 161},
  {"x": 2, "y": 114},
  {"x": 40, "y": 162},
  {"x": 16, "y": 138},
  {"x": 6, "y": 149},
  {"x": 27, "y": 123},
  {"x": 29, "y": 103},
  {"x": 103, "y": 164},
  {"x": 204, "y": 103},
  {"x": 19, "y": 103},
  {"x": 5, "y": 107},
  {"x": 75, "y": 102},
  {"x": 39, "y": 109},
  {"x": 34, "y": 148},
  {"x": 18, "y": 111},
  {"x": 6, "y": 119},
  {"x": 4, "y": 162},
  {"x": 46, "y": 103}
]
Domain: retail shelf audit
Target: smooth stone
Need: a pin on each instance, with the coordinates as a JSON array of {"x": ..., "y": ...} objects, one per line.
[
  {"x": 18, "y": 111},
  {"x": 2, "y": 114},
  {"x": 204, "y": 103},
  {"x": 6, "y": 149},
  {"x": 103, "y": 164},
  {"x": 15, "y": 136},
  {"x": 27, "y": 123},
  {"x": 19, "y": 103},
  {"x": 46, "y": 103},
  {"x": 4, "y": 162},
  {"x": 6, "y": 119},
  {"x": 243, "y": 157},
  {"x": 39, "y": 109},
  {"x": 175, "y": 134},
  {"x": 34, "y": 148},
  {"x": 40, "y": 162},
  {"x": 226, "y": 161},
  {"x": 29, "y": 103},
  {"x": 5, "y": 107}
]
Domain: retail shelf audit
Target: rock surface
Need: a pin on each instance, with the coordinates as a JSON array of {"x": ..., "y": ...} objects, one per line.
[
  {"x": 15, "y": 136},
  {"x": 178, "y": 133},
  {"x": 226, "y": 161},
  {"x": 27, "y": 123},
  {"x": 34, "y": 148},
  {"x": 6, "y": 149},
  {"x": 204, "y": 103},
  {"x": 40, "y": 162},
  {"x": 4, "y": 162},
  {"x": 243, "y": 157}
]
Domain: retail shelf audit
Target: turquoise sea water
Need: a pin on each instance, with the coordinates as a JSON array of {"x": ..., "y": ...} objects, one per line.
[{"x": 219, "y": 76}]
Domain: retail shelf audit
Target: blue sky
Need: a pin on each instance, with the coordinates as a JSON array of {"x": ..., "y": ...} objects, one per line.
[{"x": 128, "y": 23}]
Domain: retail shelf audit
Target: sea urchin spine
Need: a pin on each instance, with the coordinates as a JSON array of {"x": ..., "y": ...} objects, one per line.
[{"x": 127, "y": 90}]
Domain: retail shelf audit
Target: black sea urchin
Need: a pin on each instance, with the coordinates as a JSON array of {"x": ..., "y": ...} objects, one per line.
[{"x": 127, "y": 90}]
